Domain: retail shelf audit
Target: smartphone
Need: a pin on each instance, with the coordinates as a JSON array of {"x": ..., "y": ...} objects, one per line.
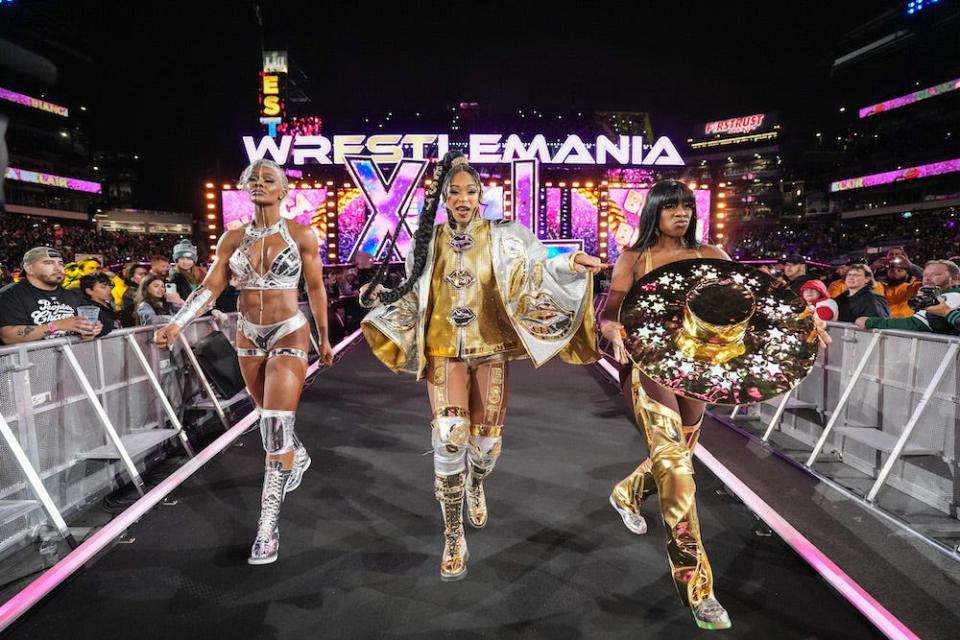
[{"x": 171, "y": 287}]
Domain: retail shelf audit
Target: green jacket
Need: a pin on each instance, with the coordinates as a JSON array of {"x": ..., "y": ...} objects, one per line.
[{"x": 921, "y": 321}]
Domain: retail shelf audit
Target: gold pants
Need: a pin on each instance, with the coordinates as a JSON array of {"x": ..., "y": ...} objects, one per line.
[{"x": 671, "y": 467}]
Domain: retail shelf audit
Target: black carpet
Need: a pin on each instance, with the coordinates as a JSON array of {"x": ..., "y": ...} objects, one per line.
[{"x": 361, "y": 538}]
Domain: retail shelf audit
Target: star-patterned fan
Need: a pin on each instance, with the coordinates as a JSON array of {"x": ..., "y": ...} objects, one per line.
[{"x": 718, "y": 331}]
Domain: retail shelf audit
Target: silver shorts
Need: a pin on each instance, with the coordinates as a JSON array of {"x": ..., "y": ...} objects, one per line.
[{"x": 265, "y": 336}]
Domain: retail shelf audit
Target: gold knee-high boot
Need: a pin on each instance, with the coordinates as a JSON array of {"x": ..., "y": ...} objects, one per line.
[
  {"x": 449, "y": 492},
  {"x": 482, "y": 454},
  {"x": 672, "y": 470}
]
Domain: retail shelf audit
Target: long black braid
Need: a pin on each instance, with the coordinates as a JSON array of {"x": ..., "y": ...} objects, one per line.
[{"x": 424, "y": 232}]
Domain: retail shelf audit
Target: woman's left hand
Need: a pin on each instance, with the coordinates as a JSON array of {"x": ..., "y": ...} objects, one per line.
[
  {"x": 583, "y": 263},
  {"x": 326, "y": 354}
]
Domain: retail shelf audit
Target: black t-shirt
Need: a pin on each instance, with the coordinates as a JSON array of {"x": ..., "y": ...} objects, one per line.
[
  {"x": 108, "y": 315},
  {"x": 799, "y": 281},
  {"x": 24, "y": 304}
]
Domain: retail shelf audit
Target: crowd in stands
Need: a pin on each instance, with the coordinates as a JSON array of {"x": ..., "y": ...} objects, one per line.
[
  {"x": 927, "y": 235},
  {"x": 20, "y": 233},
  {"x": 913, "y": 286}
]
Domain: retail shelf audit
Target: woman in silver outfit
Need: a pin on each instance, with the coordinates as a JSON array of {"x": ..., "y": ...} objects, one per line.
[{"x": 267, "y": 257}]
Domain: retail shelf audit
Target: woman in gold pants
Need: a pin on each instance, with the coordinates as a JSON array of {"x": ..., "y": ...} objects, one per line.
[{"x": 670, "y": 423}]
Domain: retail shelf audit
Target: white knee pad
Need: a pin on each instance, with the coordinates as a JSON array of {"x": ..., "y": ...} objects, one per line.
[
  {"x": 485, "y": 443},
  {"x": 451, "y": 433}
]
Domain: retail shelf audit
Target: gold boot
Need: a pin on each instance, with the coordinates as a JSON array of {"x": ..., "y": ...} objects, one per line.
[
  {"x": 449, "y": 492},
  {"x": 672, "y": 469}
]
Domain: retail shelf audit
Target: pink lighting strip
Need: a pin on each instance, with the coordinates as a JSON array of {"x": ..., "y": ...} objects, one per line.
[
  {"x": 876, "y": 613},
  {"x": 910, "y": 98},
  {"x": 911, "y": 173},
  {"x": 50, "y": 180},
  {"x": 19, "y": 604},
  {"x": 34, "y": 103}
]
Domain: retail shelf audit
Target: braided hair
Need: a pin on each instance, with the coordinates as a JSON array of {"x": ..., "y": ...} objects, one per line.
[{"x": 424, "y": 232}]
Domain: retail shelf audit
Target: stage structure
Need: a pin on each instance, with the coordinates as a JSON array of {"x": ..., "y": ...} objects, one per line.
[{"x": 367, "y": 183}]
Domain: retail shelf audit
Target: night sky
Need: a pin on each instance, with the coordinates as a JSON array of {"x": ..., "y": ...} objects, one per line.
[{"x": 176, "y": 82}]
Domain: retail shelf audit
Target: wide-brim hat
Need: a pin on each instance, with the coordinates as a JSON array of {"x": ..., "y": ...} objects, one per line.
[{"x": 718, "y": 331}]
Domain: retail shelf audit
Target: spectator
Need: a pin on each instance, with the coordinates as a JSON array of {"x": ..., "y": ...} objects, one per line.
[
  {"x": 85, "y": 267},
  {"x": 896, "y": 254},
  {"x": 814, "y": 293},
  {"x": 120, "y": 283},
  {"x": 187, "y": 275},
  {"x": 898, "y": 287},
  {"x": 128, "y": 304},
  {"x": 860, "y": 299},
  {"x": 152, "y": 304},
  {"x": 937, "y": 273},
  {"x": 6, "y": 276},
  {"x": 38, "y": 307},
  {"x": 71, "y": 275},
  {"x": 795, "y": 271},
  {"x": 160, "y": 266},
  {"x": 97, "y": 289},
  {"x": 837, "y": 284}
]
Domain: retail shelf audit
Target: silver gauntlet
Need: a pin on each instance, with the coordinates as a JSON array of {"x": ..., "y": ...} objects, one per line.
[{"x": 198, "y": 303}]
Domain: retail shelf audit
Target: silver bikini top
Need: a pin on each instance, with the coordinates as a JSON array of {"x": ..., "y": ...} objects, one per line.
[{"x": 284, "y": 271}]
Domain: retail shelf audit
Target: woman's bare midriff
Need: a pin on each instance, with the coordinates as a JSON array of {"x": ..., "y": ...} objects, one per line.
[{"x": 277, "y": 305}]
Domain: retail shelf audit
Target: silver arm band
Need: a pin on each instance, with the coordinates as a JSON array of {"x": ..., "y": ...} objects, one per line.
[{"x": 197, "y": 303}]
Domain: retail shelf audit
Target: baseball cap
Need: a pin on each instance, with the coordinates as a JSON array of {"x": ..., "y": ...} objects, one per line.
[
  {"x": 40, "y": 253},
  {"x": 794, "y": 258}
]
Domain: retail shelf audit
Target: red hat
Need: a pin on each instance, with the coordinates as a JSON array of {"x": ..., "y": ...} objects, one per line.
[{"x": 818, "y": 285}]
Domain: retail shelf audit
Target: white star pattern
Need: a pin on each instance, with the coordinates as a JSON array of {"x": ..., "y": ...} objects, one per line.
[
  {"x": 774, "y": 368},
  {"x": 687, "y": 368},
  {"x": 739, "y": 278},
  {"x": 717, "y": 371},
  {"x": 643, "y": 332},
  {"x": 775, "y": 334},
  {"x": 657, "y": 307},
  {"x": 785, "y": 308}
]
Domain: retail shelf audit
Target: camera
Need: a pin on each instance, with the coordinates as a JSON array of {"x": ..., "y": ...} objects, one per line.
[{"x": 926, "y": 297}]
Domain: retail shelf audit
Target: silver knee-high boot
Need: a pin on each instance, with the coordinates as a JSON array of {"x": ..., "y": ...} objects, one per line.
[{"x": 276, "y": 429}]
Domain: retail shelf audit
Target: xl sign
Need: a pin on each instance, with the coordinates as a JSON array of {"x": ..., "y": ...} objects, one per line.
[{"x": 493, "y": 148}]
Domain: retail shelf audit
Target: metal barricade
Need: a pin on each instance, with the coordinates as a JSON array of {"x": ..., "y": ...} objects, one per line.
[
  {"x": 79, "y": 418},
  {"x": 879, "y": 416}
]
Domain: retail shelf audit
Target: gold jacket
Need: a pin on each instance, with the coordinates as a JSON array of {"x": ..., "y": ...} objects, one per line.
[{"x": 549, "y": 303}]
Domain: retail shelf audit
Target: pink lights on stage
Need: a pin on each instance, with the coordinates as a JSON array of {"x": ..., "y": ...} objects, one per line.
[
  {"x": 910, "y": 173},
  {"x": 387, "y": 199}
]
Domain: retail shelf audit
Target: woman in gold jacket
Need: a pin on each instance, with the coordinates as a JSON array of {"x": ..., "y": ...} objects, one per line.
[{"x": 479, "y": 293}]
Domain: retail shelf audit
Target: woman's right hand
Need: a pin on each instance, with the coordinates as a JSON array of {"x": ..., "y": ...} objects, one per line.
[
  {"x": 613, "y": 332},
  {"x": 374, "y": 296},
  {"x": 166, "y": 336}
]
